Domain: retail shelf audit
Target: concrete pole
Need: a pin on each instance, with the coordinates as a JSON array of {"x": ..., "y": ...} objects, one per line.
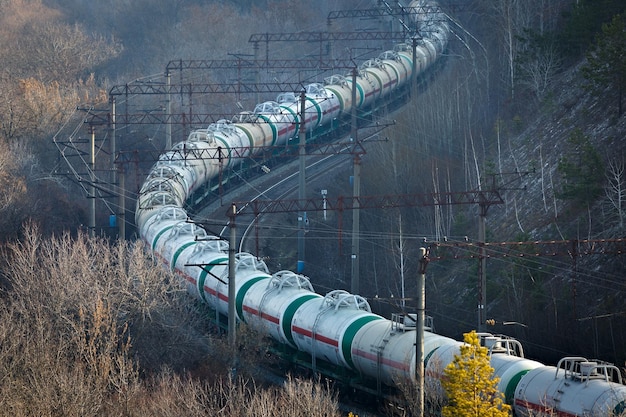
[
  {"x": 356, "y": 193},
  {"x": 115, "y": 175},
  {"x": 482, "y": 267},
  {"x": 113, "y": 141},
  {"x": 92, "y": 179},
  {"x": 419, "y": 331},
  {"x": 168, "y": 111},
  {"x": 121, "y": 218},
  {"x": 232, "y": 335},
  {"x": 302, "y": 181}
]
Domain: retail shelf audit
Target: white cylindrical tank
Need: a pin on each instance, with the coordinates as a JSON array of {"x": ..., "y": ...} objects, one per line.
[
  {"x": 575, "y": 387},
  {"x": 510, "y": 370},
  {"x": 270, "y": 305},
  {"x": 384, "y": 80},
  {"x": 175, "y": 239},
  {"x": 385, "y": 350},
  {"x": 233, "y": 143},
  {"x": 205, "y": 257},
  {"x": 160, "y": 221},
  {"x": 324, "y": 327},
  {"x": 338, "y": 85}
]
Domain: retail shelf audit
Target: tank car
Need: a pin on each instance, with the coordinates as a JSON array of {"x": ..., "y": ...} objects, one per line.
[{"x": 576, "y": 387}]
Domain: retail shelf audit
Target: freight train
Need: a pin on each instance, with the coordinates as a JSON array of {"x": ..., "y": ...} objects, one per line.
[{"x": 338, "y": 328}]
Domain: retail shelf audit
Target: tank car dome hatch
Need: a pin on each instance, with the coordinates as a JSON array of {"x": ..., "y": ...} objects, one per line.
[
  {"x": 222, "y": 126},
  {"x": 402, "y": 47},
  {"x": 372, "y": 63},
  {"x": 211, "y": 244},
  {"x": 157, "y": 199},
  {"x": 342, "y": 299},
  {"x": 336, "y": 80},
  {"x": 203, "y": 135},
  {"x": 187, "y": 151},
  {"x": 171, "y": 213},
  {"x": 157, "y": 184},
  {"x": 170, "y": 157},
  {"x": 189, "y": 229},
  {"x": 317, "y": 90},
  {"x": 268, "y": 107},
  {"x": 245, "y": 117},
  {"x": 287, "y": 98},
  {"x": 168, "y": 168},
  {"x": 198, "y": 136},
  {"x": 289, "y": 279},
  {"x": 246, "y": 261},
  {"x": 389, "y": 55}
]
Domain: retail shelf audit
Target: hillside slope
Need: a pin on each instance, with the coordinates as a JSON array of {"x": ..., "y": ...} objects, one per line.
[{"x": 571, "y": 304}]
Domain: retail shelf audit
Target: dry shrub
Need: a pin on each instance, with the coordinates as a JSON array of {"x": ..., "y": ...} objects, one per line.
[
  {"x": 94, "y": 329},
  {"x": 71, "y": 308},
  {"x": 175, "y": 396}
]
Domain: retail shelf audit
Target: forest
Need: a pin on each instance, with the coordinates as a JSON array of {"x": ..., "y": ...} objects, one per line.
[{"x": 529, "y": 99}]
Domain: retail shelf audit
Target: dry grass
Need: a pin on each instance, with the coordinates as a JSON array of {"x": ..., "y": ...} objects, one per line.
[{"x": 94, "y": 329}]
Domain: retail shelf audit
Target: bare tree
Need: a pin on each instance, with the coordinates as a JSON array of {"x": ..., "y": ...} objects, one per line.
[
  {"x": 538, "y": 69},
  {"x": 615, "y": 189}
]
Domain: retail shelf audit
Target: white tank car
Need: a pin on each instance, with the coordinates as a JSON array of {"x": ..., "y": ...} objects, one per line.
[
  {"x": 338, "y": 85},
  {"x": 232, "y": 144},
  {"x": 385, "y": 81},
  {"x": 247, "y": 268},
  {"x": 385, "y": 350},
  {"x": 508, "y": 362},
  {"x": 400, "y": 67},
  {"x": 506, "y": 357},
  {"x": 318, "y": 105},
  {"x": 211, "y": 253},
  {"x": 161, "y": 218},
  {"x": 278, "y": 125},
  {"x": 270, "y": 305},
  {"x": 576, "y": 387},
  {"x": 365, "y": 88},
  {"x": 325, "y": 327}
]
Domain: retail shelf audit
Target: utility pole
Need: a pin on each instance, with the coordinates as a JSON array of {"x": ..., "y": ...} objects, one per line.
[
  {"x": 92, "y": 179},
  {"x": 168, "y": 110},
  {"x": 419, "y": 330},
  {"x": 302, "y": 181},
  {"x": 232, "y": 335},
  {"x": 482, "y": 265},
  {"x": 356, "y": 193}
]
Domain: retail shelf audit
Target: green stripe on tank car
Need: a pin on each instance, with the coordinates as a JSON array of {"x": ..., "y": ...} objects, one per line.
[
  {"x": 227, "y": 150},
  {"x": 158, "y": 236},
  {"x": 241, "y": 294},
  {"x": 249, "y": 136},
  {"x": 295, "y": 116},
  {"x": 427, "y": 358},
  {"x": 361, "y": 94},
  {"x": 619, "y": 408},
  {"x": 291, "y": 311},
  {"x": 205, "y": 271},
  {"x": 409, "y": 60},
  {"x": 342, "y": 105},
  {"x": 395, "y": 71},
  {"x": 350, "y": 333},
  {"x": 272, "y": 125},
  {"x": 320, "y": 115},
  {"x": 179, "y": 251},
  {"x": 509, "y": 392}
]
